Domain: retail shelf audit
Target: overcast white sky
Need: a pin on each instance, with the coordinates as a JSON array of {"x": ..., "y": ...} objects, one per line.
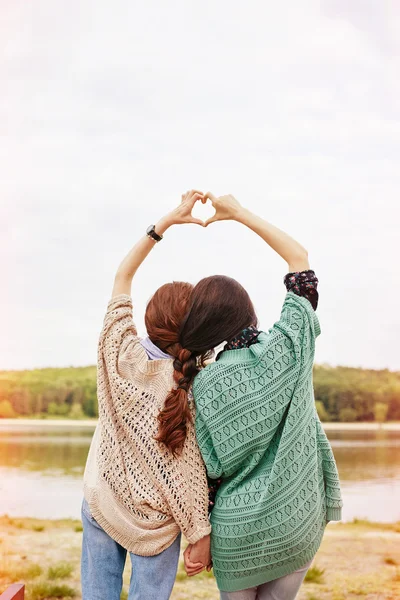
[{"x": 110, "y": 110}]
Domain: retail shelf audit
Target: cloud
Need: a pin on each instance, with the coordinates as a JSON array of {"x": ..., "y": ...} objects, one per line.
[{"x": 111, "y": 111}]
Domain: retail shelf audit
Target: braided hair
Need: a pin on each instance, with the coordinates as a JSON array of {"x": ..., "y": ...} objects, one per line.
[
  {"x": 175, "y": 415},
  {"x": 164, "y": 315}
]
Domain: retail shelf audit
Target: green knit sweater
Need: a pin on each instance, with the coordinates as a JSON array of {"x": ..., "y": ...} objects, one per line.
[{"x": 258, "y": 429}]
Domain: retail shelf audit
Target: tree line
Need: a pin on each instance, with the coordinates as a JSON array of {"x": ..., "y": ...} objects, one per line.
[{"x": 341, "y": 393}]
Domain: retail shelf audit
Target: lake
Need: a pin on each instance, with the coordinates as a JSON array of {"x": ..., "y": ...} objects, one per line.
[{"x": 41, "y": 469}]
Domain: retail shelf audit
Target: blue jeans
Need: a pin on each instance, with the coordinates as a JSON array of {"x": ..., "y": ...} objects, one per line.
[
  {"x": 103, "y": 562},
  {"x": 283, "y": 588}
]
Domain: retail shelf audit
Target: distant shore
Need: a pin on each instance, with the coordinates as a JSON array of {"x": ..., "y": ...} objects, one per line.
[{"x": 329, "y": 426}]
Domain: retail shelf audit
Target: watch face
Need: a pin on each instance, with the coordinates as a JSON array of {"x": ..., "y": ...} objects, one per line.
[{"x": 150, "y": 229}]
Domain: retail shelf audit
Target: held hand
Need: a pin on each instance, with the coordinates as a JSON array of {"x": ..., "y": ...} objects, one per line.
[
  {"x": 226, "y": 208},
  {"x": 191, "y": 568},
  {"x": 198, "y": 555}
]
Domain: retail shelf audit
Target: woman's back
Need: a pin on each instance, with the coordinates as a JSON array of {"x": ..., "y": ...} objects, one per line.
[
  {"x": 258, "y": 429},
  {"x": 136, "y": 489}
]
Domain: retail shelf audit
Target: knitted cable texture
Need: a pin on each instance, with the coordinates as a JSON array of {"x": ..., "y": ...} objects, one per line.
[
  {"x": 258, "y": 429},
  {"x": 136, "y": 490}
]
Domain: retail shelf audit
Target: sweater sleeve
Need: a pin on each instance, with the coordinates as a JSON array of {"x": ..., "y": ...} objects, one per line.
[
  {"x": 188, "y": 497},
  {"x": 333, "y": 496},
  {"x": 300, "y": 326},
  {"x": 119, "y": 343}
]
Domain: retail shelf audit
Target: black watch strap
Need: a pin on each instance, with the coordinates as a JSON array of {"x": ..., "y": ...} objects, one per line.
[{"x": 151, "y": 232}]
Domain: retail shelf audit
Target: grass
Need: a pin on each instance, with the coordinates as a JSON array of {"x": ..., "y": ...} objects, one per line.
[
  {"x": 61, "y": 570},
  {"x": 315, "y": 575},
  {"x": 358, "y": 560},
  {"x": 39, "y": 524},
  {"x": 371, "y": 525},
  {"x": 45, "y": 589},
  {"x": 15, "y": 573}
]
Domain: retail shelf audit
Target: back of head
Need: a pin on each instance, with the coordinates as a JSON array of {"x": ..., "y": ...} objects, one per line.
[
  {"x": 220, "y": 309},
  {"x": 164, "y": 315},
  {"x": 165, "y": 312}
]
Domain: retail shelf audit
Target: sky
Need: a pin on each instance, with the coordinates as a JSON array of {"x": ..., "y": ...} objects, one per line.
[{"x": 110, "y": 110}]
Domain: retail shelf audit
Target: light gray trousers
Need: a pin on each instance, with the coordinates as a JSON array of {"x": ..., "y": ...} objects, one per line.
[{"x": 283, "y": 588}]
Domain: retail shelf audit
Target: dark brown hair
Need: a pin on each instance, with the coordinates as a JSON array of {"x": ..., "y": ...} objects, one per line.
[
  {"x": 220, "y": 309},
  {"x": 164, "y": 314},
  {"x": 188, "y": 323}
]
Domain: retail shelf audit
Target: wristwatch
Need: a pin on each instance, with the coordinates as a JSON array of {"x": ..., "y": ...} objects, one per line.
[{"x": 151, "y": 233}]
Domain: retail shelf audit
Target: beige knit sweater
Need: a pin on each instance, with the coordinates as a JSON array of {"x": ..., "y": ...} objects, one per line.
[{"x": 136, "y": 490}]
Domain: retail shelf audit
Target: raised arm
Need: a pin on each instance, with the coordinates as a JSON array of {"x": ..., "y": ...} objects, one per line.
[
  {"x": 133, "y": 260},
  {"x": 228, "y": 208}
]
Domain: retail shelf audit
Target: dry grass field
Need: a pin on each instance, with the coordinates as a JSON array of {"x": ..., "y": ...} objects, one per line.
[{"x": 356, "y": 560}]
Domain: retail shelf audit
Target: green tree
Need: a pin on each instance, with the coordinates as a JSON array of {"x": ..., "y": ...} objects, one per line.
[
  {"x": 345, "y": 393},
  {"x": 60, "y": 410},
  {"x": 347, "y": 414},
  {"x": 76, "y": 412},
  {"x": 21, "y": 401},
  {"x": 322, "y": 412},
  {"x": 380, "y": 412},
  {"x": 89, "y": 400},
  {"x": 6, "y": 410}
]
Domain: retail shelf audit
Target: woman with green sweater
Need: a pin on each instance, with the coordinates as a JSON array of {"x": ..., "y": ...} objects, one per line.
[{"x": 257, "y": 426}]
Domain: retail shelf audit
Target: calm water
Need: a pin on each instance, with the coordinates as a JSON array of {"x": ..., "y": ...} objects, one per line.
[{"x": 41, "y": 471}]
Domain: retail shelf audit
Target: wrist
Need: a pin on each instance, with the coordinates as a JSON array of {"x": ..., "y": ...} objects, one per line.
[
  {"x": 242, "y": 215},
  {"x": 162, "y": 225}
]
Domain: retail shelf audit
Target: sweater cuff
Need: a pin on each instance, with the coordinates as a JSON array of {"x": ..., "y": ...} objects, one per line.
[
  {"x": 194, "y": 536},
  {"x": 333, "y": 514}
]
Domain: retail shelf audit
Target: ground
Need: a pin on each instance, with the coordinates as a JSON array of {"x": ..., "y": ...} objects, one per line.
[{"x": 356, "y": 560}]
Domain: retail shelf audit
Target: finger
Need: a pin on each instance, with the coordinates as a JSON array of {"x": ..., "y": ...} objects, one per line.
[
  {"x": 192, "y": 573},
  {"x": 191, "y": 565},
  {"x": 211, "y": 220},
  {"x": 190, "y": 202},
  {"x": 194, "y": 568},
  {"x": 210, "y": 196},
  {"x": 197, "y": 221},
  {"x": 192, "y": 199}
]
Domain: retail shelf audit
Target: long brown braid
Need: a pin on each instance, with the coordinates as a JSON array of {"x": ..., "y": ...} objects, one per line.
[
  {"x": 164, "y": 315},
  {"x": 176, "y": 413}
]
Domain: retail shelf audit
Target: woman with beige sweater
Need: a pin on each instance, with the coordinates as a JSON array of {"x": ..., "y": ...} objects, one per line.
[{"x": 145, "y": 480}]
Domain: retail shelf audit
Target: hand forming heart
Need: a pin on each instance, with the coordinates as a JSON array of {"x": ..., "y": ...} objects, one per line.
[
  {"x": 189, "y": 211},
  {"x": 226, "y": 208}
]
